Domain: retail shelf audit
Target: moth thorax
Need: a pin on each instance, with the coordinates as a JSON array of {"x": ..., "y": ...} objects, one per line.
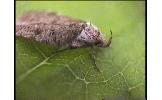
[{"x": 90, "y": 34}]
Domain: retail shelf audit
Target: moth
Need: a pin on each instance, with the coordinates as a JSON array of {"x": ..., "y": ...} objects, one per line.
[{"x": 55, "y": 29}]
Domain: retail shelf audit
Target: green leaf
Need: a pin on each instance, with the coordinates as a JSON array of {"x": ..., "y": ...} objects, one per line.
[{"x": 44, "y": 73}]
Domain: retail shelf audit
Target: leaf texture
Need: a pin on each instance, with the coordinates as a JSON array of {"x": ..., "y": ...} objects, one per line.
[{"x": 45, "y": 73}]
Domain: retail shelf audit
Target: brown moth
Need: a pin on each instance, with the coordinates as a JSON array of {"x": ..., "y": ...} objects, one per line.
[{"x": 55, "y": 29}]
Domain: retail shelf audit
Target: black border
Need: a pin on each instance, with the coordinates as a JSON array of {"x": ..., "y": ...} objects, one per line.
[
  {"x": 146, "y": 49},
  {"x": 80, "y": 0},
  {"x": 14, "y": 50}
]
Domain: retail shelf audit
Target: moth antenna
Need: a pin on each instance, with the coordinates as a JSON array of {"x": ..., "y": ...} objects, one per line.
[
  {"x": 110, "y": 39},
  {"x": 111, "y": 33},
  {"x": 93, "y": 56}
]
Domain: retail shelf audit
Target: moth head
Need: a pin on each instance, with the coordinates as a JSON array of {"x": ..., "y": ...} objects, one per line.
[{"x": 91, "y": 35}]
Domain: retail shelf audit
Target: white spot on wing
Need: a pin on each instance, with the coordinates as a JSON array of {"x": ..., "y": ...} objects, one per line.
[{"x": 82, "y": 35}]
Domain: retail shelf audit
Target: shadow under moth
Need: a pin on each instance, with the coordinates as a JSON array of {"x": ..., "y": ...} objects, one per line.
[{"x": 54, "y": 29}]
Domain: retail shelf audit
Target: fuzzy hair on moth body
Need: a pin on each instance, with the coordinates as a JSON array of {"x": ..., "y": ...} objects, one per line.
[
  {"x": 54, "y": 29},
  {"x": 59, "y": 30}
]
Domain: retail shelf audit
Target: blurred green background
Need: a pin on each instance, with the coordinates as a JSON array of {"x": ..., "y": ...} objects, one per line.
[{"x": 126, "y": 19}]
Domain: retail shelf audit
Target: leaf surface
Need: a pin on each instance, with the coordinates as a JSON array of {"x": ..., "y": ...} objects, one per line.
[{"x": 44, "y": 73}]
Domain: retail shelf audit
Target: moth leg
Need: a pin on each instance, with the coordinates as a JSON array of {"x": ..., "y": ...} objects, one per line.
[
  {"x": 77, "y": 44},
  {"x": 110, "y": 39},
  {"x": 61, "y": 49},
  {"x": 93, "y": 56}
]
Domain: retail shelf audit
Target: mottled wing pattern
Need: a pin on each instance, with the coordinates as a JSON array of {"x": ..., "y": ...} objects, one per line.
[
  {"x": 35, "y": 17},
  {"x": 46, "y": 17},
  {"x": 49, "y": 27},
  {"x": 49, "y": 33}
]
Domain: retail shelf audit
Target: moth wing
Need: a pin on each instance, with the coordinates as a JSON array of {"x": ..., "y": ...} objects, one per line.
[
  {"x": 36, "y": 17},
  {"x": 49, "y": 33},
  {"x": 47, "y": 17}
]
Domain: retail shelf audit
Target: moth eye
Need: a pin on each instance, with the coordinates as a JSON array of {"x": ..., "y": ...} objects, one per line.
[{"x": 82, "y": 37}]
